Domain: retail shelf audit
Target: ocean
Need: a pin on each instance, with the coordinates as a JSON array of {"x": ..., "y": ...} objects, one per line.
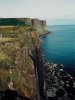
[{"x": 59, "y": 46}]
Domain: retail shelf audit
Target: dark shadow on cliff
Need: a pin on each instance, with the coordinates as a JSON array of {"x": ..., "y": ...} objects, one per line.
[{"x": 11, "y": 95}]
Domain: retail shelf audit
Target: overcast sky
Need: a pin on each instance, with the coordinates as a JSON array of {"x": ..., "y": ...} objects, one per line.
[{"x": 52, "y": 10}]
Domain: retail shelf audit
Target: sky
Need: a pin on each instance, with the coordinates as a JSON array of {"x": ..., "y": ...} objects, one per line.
[{"x": 54, "y": 11}]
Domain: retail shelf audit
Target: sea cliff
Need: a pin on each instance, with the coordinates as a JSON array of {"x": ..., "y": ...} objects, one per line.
[{"x": 16, "y": 67}]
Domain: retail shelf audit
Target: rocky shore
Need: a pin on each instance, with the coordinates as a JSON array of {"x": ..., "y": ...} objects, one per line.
[{"x": 59, "y": 84}]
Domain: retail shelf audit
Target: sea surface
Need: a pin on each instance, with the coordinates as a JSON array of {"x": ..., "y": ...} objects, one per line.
[{"x": 59, "y": 46}]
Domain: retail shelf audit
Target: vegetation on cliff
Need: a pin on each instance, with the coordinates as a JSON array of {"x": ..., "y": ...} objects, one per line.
[
  {"x": 16, "y": 66},
  {"x": 11, "y": 22}
]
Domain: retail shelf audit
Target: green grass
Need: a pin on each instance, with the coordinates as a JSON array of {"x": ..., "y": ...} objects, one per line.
[
  {"x": 5, "y": 39},
  {"x": 21, "y": 72},
  {"x": 2, "y": 57},
  {"x": 8, "y": 40},
  {"x": 11, "y": 22}
]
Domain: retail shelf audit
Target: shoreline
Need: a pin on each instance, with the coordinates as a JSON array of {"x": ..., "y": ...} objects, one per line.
[{"x": 58, "y": 80}]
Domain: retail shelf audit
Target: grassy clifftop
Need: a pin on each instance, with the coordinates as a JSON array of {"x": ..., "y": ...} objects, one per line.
[
  {"x": 16, "y": 67},
  {"x": 11, "y": 21}
]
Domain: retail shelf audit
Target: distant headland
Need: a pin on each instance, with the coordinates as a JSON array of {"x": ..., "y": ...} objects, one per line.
[
  {"x": 39, "y": 25},
  {"x": 34, "y": 22}
]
